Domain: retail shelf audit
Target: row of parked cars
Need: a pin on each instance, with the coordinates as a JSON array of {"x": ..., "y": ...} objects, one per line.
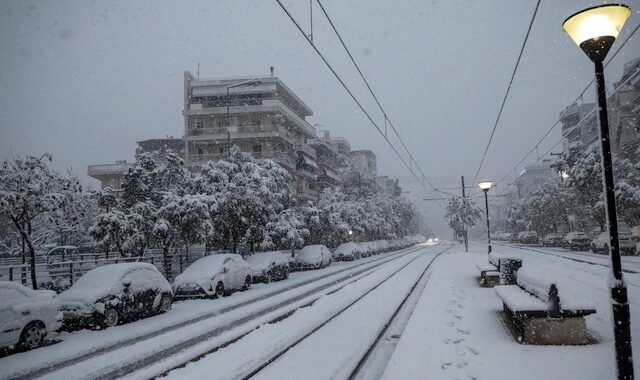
[
  {"x": 116, "y": 293},
  {"x": 575, "y": 240}
]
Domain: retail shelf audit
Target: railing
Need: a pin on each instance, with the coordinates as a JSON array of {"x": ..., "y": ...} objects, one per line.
[
  {"x": 280, "y": 157},
  {"x": 62, "y": 274}
]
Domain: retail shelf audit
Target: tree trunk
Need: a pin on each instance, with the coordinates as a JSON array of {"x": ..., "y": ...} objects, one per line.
[
  {"x": 166, "y": 262},
  {"x": 32, "y": 251}
]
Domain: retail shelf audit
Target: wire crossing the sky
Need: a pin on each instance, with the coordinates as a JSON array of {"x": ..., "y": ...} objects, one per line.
[
  {"x": 380, "y": 131},
  {"x": 506, "y": 95}
]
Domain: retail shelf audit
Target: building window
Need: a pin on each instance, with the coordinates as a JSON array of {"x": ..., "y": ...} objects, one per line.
[
  {"x": 256, "y": 123},
  {"x": 257, "y": 148},
  {"x": 198, "y": 123}
]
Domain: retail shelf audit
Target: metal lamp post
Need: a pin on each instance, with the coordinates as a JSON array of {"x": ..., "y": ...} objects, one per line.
[
  {"x": 250, "y": 82},
  {"x": 595, "y": 30},
  {"x": 486, "y": 186}
]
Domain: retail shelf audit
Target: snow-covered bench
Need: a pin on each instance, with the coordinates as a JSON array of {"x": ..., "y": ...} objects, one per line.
[
  {"x": 489, "y": 275},
  {"x": 539, "y": 314}
]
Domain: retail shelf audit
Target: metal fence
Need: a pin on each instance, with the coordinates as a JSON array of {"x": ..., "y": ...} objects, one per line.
[{"x": 60, "y": 275}]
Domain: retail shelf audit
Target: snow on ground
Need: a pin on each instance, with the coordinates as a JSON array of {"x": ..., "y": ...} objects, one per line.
[
  {"x": 456, "y": 331},
  {"x": 73, "y": 344},
  {"x": 333, "y": 350}
]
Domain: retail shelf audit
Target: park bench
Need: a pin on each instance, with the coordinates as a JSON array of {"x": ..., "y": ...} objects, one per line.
[
  {"x": 489, "y": 275},
  {"x": 539, "y": 315}
]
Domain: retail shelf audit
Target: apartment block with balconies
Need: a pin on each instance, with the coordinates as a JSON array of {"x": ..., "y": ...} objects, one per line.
[{"x": 260, "y": 115}]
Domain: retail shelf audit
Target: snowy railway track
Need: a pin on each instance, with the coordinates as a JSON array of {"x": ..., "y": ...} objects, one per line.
[
  {"x": 569, "y": 256},
  {"x": 392, "y": 328},
  {"x": 78, "y": 364}
]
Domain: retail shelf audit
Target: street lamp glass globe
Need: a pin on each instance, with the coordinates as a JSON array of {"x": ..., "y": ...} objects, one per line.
[
  {"x": 485, "y": 185},
  {"x": 595, "y": 29}
]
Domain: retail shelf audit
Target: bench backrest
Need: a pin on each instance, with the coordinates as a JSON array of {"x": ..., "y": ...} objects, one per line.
[{"x": 544, "y": 287}]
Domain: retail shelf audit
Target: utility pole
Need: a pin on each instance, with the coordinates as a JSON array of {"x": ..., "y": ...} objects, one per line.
[{"x": 464, "y": 228}]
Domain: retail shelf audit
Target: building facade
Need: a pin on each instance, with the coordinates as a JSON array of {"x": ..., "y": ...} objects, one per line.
[{"x": 260, "y": 115}]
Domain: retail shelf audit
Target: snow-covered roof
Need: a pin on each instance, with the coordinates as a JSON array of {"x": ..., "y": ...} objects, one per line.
[{"x": 262, "y": 260}]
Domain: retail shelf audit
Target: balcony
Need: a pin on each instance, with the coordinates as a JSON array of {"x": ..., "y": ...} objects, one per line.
[
  {"x": 240, "y": 132},
  {"x": 281, "y": 158},
  {"x": 118, "y": 168},
  {"x": 267, "y": 106}
]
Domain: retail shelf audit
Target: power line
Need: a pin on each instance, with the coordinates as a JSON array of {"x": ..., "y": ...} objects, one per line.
[
  {"x": 564, "y": 112},
  {"x": 353, "y": 96},
  {"x": 366, "y": 82},
  {"x": 506, "y": 95}
]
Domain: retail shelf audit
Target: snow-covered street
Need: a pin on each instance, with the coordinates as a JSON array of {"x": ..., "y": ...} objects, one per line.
[{"x": 414, "y": 313}]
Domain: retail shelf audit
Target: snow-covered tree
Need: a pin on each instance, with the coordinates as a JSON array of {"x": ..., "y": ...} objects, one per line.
[
  {"x": 180, "y": 221},
  {"x": 287, "y": 231},
  {"x": 111, "y": 229},
  {"x": 249, "y": 194},
  {"x": 462, "y": 214},
  {"x": 28, "y": 190}
]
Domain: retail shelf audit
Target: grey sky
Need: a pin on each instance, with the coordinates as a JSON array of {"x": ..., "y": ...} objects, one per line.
[{"x": 85, "y": 79}]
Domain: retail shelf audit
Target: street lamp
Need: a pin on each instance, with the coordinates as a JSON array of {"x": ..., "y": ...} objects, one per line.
[
  {"x": 250, "y": 82},
  {"x": 594, "y": 30},
  {"x": 485, "y": 186}
]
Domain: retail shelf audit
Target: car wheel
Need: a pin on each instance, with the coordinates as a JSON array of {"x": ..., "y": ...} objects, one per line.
[
  {"x": 286, "y": 274},
  {"x": 110, "y": 318},
  {"x": 219, "y": 290},
  {"x": 247, "y": 283},
  {"x": 165, "y": 304},
  {"x": 32, "y": 336}
]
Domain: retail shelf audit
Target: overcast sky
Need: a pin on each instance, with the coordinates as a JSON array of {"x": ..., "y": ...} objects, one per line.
[{"x": 85, "y": 80}]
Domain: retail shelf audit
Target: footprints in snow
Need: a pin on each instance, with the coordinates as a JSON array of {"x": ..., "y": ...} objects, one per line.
[{"x": 456, "y": 338}]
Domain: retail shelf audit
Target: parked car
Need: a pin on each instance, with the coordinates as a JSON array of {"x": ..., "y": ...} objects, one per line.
[
  {"x": 26, "y": 315},
  {"x": 552, "y": 240},
  {"x": 268, "y": 266},
  {"x": 346, "y": 252},
  {"x": 110, "y": 294},
  {"x": 528, "y": 237},
  {"x": 213, "y": 276},
  {"x": 576, "y": 240},
  {"x": 512, "y": 238},
  {"x": 381, "y": 246},
  {"x": 313, "y": 257},
  {"x": 601, "y": 243},
  {"x": 364, "y": 249}
]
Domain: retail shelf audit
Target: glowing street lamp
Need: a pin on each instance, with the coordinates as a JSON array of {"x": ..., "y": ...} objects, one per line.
[
  {"x": 485, "y": 186},
  {"x": 595, "y": 30}
]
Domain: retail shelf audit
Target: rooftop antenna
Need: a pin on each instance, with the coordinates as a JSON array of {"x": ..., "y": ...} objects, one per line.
[
  {"x": 198, "y": 69},
  {"x": 271, "y": 68}
]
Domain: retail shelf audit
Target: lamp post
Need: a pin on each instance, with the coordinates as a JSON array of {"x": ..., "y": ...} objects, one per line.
[
  {"x": 594, "y": 30},
  {"x": 250, "y": 82},
  {"x": 485, "y": 186}
]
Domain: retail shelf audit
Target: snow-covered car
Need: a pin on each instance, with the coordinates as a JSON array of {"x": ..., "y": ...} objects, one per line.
[
  {"x": 528, "y": 237},
  {"x": 213, "y": 276},
  {"x": 381, "y": 246},
  {"x": 601, "y": 243},
  {"x": 112, "y": 293},
  {"x": 576, "y": 240},
  {"x": 346, "y": 252},
  {"x": 313, "y": 257},
  {"x": 364, "y": 249},
  {"x": 552, "y": 240},
  {"x": 26, "y": 315},
  {"x": 268, "y": 266}
]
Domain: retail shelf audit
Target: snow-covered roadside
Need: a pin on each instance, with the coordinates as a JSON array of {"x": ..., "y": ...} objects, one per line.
[
  {"x": 456, "y": 330},
  {"x": 330, "y": 352},
  {"x": 82, "y": 342},
  {"x": 225, "y": 327}
]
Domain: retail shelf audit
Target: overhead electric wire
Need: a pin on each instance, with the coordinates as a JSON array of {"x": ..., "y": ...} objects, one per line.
[
  {"x": 563, "y": 113},
  {"x": 506, "y": 95},
  {"x": 354, "y": 97},
  {"x": 366, "y": 82}
]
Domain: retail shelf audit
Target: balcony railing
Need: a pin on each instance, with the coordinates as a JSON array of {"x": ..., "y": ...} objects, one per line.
[
  {"x": 279, "y": 157},
  {"x": 241, "y": 132}
]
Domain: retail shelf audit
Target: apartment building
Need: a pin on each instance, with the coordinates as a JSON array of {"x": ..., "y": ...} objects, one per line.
[
  {"x": 112, "y": 175},
  {"x": 261, "y": 115},
  {"x": 580, "y": 122}
]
